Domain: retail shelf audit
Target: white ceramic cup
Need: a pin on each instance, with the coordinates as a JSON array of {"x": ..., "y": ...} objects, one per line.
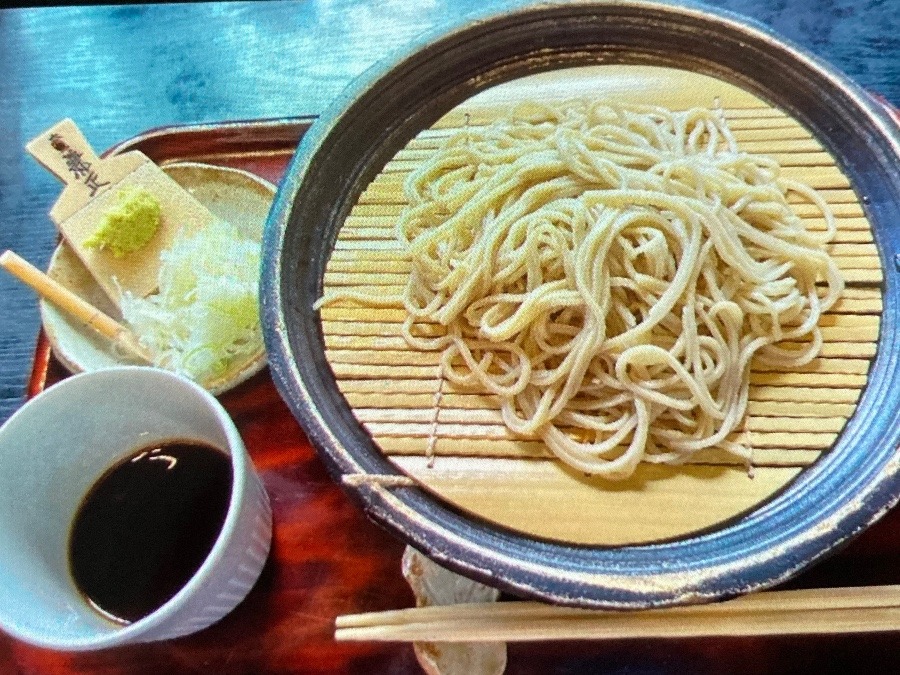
[{"x": 52, "y": 451}]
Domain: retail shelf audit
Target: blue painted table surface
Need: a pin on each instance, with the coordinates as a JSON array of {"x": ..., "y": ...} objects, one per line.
[{"x": 120, "y": 70}]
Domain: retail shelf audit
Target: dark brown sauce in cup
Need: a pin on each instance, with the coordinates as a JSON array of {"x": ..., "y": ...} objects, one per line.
[{"x": 147, "y": 525}]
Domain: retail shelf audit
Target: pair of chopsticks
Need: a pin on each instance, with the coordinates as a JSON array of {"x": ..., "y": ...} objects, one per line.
[
  {"x": 797, "y": 612},
  {"x": 66, "y": 300}
]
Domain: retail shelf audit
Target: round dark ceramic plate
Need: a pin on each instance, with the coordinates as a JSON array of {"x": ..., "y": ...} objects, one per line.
[{"x": 848, "y": 489}]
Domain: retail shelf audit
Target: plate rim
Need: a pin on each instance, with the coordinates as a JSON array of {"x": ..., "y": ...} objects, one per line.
[{"x": 710, "y": 565}]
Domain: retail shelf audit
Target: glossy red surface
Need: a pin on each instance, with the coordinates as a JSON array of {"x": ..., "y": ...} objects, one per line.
[{"x": 328, "y": 559}]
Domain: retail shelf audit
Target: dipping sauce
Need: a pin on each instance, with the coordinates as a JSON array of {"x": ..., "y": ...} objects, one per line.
[{"x": 147, "y": 525}]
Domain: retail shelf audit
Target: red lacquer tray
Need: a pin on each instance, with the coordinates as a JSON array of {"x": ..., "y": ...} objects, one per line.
[{"x": 328, "y": 559}]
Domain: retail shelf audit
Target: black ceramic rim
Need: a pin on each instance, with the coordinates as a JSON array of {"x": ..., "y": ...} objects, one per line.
[{"x": 835, "y": 499}]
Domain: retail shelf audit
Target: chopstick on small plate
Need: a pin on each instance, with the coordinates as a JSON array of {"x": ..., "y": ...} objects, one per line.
[
  {"x": 62, "y": 297},
  {"x": 794, "y": 612}
]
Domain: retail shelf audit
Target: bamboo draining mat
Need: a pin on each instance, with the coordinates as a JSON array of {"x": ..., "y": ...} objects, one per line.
[{"x": 461, "y": 450}]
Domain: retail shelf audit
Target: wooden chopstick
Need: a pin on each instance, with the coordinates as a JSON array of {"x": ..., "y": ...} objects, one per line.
[
  {"x": 62, "y": 297},
  {"x": 808, "y": 611}
]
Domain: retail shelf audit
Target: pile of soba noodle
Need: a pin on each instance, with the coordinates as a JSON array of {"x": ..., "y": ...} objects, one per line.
[{"x": 610, "y": 274}]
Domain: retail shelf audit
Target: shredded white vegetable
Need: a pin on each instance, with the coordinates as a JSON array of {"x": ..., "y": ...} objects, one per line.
[{"x": 205, "y": 317}]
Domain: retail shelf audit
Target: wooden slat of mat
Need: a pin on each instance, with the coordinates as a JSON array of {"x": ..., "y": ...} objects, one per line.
[
  {"x": 381, "y": 228},
  {"x": 810, "y": 168},
  {"x": 388, "y": 190},
  {"x": 390, "y": 272},
  {"x": 807, "y": 380},
  {"x": 758, "y": 123},
  {"x": 490, "y": 421},
  {"x": 807, "y": 167},
  {"x": 394, "y": 342},
  {"x": 645, "y": 84},
  {"x": 527, "y": 449},
  {"x": 386, "y": 216},
  {"x": 428, "y": 359},
  {"x": 381, "y": 422},
  {"x": 760, "y": 432},
  {"x": 348, "y": 310},
  {"x": 865, "y": 325},
  {"x": 855, "y": 271},
  {"x": 462, "y": 402},
  {"x": 864, "y": 333},
  {"x": 363, "y": 260},
  {"x": 791, "y": 148},
  {"x": 382, "y": 254},
  {"x": 850, "y": 215},
  {"x": 738, "y": 120},
  {"x": 761, "y": 392},
  {"x": 673, "y": 500}
]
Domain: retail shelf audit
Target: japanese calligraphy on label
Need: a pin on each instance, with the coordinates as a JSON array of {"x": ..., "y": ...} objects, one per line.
[{"x": 77, "y": 165}]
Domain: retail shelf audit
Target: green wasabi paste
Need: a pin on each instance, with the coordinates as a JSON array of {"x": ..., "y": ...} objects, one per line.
[{"x": 128, "y": 227}]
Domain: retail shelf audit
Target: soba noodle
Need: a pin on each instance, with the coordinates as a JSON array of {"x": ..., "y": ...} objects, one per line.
[{"x": 611, "y": 274}]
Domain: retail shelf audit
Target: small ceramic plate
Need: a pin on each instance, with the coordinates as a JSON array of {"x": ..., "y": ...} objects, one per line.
[{"x": 231, "y": 194}]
